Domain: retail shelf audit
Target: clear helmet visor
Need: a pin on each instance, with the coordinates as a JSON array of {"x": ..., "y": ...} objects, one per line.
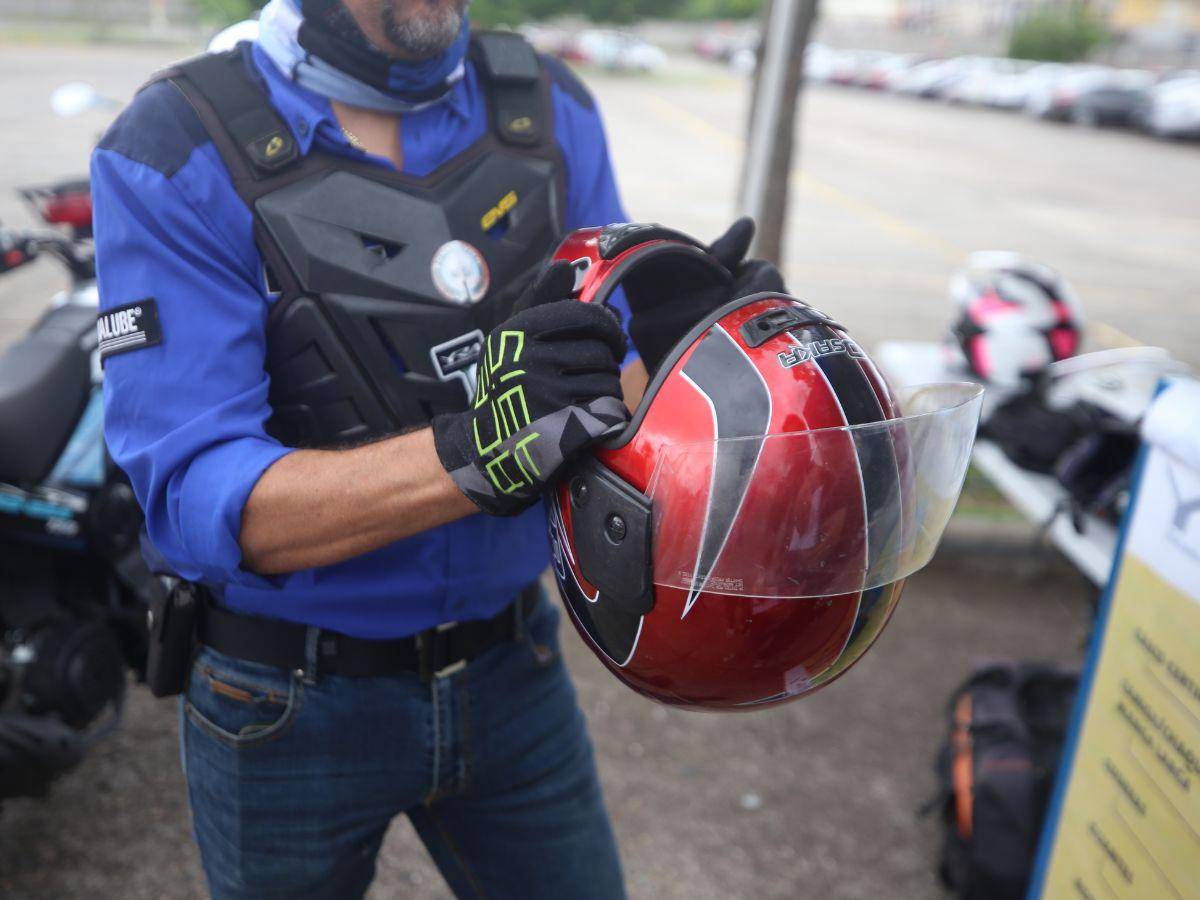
[{"x": 817, "y": 513}]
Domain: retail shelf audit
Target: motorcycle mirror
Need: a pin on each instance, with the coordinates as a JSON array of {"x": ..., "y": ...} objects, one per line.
[
  {"x": 77, "y": 97},
  {"x": 72, "y": 99}
]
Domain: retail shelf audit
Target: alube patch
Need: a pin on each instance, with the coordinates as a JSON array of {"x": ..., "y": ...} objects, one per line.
[{"x": 128, "y": 327}]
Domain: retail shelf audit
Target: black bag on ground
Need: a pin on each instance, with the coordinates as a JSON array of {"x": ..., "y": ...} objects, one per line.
[
  {"x": 1031, "y": 433},
  {"x": 996, "y": 771},
  {"x": 1097, "y": 470}
]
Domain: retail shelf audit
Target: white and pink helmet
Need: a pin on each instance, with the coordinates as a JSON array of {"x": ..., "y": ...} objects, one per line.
[{"x": 1015, "y": 317}]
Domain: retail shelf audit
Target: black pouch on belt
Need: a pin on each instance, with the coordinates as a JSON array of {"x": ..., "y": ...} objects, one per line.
[{"x": 173, "y": 620}]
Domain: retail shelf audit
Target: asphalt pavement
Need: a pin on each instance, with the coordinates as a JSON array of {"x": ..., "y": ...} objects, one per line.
[
  {"x": 892, "y": 193},
  {"x": 818, "y": 798}
]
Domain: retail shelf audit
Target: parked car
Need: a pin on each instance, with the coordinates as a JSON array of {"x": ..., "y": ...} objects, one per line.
[
  {"x": 745, "y": 59},
  {"x": 865, "y": 63},
  {"x": 722, "y": 42},
  {"x": 713, "y": 44},
  {"x": 552, "y": 41},
  {"x": 1113, "y": 103},
  {"x": 1053, "y": 97},
  {"x": 619, "y": 51},
  {"x": 850, "y": 65},
  {"x": 1088, "y": 94},
  {"x": 819, "y": 62},
  {"x": 1056, "y": 100},
  {"x": 1011, "y": 89},
  {"x": 930, "y": 78},
  {"x": 980, "y": 78},
  {"x": 884, "y": 73},
  {"x": 1171, "y": 108}
]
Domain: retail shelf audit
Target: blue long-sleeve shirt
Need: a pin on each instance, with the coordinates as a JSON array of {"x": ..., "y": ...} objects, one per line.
[{"x": 185, "y": 418}]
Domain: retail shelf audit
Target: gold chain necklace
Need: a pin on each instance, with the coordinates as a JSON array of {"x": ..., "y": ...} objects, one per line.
[{"x": 354, "y": 139}]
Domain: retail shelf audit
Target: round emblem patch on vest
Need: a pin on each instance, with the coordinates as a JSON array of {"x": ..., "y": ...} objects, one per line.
[{"x": 460, "y": 273}]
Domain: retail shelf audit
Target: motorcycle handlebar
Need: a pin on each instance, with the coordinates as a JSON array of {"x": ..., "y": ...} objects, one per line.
[{"x": 20, "y": 247}]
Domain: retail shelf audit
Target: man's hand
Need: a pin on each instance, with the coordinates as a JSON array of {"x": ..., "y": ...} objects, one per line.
[
  {"x": 658, "y": 322},
  {"x": 548, "y": 387},
  {"x": 750, "y": 276}
]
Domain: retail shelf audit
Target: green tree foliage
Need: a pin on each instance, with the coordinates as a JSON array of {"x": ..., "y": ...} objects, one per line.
[
  {"x": 226, "y": 12},
  {"x": 720, "y": 9},
  {"x": 1059, "y": 34}
]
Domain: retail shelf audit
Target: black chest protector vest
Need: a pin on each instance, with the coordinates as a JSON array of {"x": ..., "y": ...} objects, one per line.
[{"x": 386, "y": 282}]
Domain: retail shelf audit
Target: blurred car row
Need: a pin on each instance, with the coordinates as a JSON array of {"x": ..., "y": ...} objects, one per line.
[
  {"x": 616, "y": 51},
  {"x": 1166, "y": 104},
  {"x": 730, "y": 44}
]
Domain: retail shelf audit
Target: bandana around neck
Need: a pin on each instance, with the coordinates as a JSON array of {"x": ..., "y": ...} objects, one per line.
[{"x": 317, "y": 44}]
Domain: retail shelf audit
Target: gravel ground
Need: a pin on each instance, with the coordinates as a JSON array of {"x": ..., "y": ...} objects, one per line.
[
  {"x": 819, "y": 798},
  {"x": 816, "y": 799}
]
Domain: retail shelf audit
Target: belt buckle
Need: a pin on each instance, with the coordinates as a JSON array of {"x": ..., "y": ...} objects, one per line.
[{"x": 431, "y": 649}]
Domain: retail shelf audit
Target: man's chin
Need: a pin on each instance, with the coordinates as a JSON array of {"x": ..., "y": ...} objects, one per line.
[{"x": 423, "y": 29}]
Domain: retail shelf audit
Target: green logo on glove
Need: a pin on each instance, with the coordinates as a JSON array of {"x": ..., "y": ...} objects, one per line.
[{"x": 509, "y": 469}]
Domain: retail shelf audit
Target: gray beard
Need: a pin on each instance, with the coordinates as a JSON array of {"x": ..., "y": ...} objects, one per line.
[{"x": 426, "y": 34}]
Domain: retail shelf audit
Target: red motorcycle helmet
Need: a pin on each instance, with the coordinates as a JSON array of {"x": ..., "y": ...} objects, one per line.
[{"x": 746, "y": 538}]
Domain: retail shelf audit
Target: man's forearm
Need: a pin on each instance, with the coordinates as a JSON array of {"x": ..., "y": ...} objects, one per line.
[{"x": 321, "y": 507}]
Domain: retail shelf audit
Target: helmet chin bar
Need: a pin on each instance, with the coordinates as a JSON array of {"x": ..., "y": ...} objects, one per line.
[{"x": 611, "y": 521}]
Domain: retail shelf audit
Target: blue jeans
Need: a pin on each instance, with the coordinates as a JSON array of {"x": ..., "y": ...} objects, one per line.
[{"x": 292, "y": 784}]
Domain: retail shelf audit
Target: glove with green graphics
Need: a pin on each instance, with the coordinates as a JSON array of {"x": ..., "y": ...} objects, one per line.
[{"x": 548, "y": 387}]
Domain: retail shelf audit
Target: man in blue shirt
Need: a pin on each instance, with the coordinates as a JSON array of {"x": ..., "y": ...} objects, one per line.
[
  {"x": 295, "y": 773},
  {"x": 303, "y": 244}
]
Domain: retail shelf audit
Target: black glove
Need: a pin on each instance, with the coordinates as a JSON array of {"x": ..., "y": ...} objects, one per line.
[
  {"x": 750, "y": 276},
  {"x": 548, "y": 387},
  {"x": 661, "y": 317},
  {"x": 513, "y": 297}
]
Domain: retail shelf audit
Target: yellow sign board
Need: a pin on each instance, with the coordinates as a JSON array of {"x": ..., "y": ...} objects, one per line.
[{"x": 1125, "y": 822}]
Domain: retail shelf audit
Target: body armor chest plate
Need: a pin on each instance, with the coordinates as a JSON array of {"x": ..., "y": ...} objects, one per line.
[
  {"x": 397, "y": 286},
  {"x": 386, "y": 283}
]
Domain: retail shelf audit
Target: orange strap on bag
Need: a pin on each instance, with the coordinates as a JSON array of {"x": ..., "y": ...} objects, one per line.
[{"x": 963, "y": 769}]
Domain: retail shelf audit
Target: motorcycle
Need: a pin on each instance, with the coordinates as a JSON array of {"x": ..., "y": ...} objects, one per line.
[{"x": 73, "y": 587}]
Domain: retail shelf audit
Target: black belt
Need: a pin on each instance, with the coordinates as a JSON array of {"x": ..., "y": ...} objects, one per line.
[{"x": 433, "y": 653}]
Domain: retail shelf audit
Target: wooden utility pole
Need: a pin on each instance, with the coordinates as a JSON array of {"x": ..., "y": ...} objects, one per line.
[{"x": 786, "y": 27}]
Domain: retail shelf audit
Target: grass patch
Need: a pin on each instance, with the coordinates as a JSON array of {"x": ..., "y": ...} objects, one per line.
[{"x": 980, "y": 499}]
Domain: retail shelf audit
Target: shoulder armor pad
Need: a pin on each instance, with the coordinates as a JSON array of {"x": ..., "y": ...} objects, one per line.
[
  {"x": 506, "y": 57},
  {"x": 235, "y": 107},
  {"x": 512, "y": 75}
]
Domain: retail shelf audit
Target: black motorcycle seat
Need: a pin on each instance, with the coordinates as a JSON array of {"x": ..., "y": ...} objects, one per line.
[{"x": 44, "y": 384}]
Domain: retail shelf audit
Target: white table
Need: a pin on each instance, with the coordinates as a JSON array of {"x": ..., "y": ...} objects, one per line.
[{"x": 1038, "y": 497}]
